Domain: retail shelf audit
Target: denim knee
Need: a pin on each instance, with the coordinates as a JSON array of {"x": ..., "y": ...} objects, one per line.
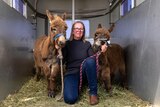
[
  {"x": 70, "y": 99},
  {"x": 71, "y": 88},
  {"x": 91, "y": 61}
]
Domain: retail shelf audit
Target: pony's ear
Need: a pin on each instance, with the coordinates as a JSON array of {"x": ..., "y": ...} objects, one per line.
[
  {"x": 49, "y": 15},
  {"x": 64, "y": 16},
  {"x": 111, "y": 28},
  {"x": 99, "y": 26}
]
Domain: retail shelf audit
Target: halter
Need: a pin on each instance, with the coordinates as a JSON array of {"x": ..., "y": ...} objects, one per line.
[
  {"x": 57, "y": 36},
  {"x": 106, "y": 41}
]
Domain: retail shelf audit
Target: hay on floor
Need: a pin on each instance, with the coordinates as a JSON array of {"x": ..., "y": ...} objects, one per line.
[{"x": 34, "y": 94}]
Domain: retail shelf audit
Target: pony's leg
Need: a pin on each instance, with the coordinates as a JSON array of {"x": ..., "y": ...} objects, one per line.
[
  {"x": 47, "y": 73},
  {"x": 52, "y": 80},
  {"x": 123, "y": 75},
  {"x": 38, "y": 73},
  {"x": 38, "y": 70},
  {"x": 106, "y": 78},
  {"x": 37, "y": 67},
  {"x": 112, "y": 74}
]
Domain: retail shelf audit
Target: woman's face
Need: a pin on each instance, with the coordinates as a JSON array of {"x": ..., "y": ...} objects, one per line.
[{"x": 78, "y": 31}]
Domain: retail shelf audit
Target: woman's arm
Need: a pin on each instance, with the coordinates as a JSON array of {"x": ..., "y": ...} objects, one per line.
[{"x": 90, "y": 50}]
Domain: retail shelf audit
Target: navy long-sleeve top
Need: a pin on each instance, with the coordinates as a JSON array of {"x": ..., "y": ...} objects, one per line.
[{"x": 75, "y": 52}]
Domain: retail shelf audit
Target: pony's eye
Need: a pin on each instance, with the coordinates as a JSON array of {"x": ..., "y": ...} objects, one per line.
[
  {"x": 53, "y": 30},
  {"x": 96, "y": 35}
]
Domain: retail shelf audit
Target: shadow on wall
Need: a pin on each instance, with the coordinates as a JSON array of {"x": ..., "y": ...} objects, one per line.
[
  {"x": 15, "y": 65},
  {"x": 142, "y": 75}
]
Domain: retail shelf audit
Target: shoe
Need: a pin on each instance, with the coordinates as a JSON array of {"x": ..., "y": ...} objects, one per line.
[{"x": 93, "y": 99}]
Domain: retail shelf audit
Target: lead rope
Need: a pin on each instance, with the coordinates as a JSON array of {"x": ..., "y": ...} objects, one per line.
[
  {"x": 62, "y": 78},
  {"x": 97, "y": 68}
]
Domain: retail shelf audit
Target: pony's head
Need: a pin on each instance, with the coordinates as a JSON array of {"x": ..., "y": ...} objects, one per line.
[
  {"x": 58, "y": 29},
  {"x": 101, "y": 37}
]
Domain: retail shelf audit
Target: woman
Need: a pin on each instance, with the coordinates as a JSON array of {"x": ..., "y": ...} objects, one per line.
[{"x": 77, "y": 50}]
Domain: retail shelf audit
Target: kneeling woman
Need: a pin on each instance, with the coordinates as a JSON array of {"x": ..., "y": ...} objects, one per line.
[{"x": 79, "y": 65}]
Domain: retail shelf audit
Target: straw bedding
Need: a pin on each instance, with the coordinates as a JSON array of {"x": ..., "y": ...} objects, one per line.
[{"x": 34, "y": 94}]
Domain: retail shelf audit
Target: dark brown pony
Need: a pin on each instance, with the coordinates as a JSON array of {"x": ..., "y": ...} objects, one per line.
[
  {"x": 110, "y": 61},
  {"x": 47, "y": 49}
]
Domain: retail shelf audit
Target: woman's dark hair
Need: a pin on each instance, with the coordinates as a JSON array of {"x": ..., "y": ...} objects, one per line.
[{"x": 72, "y": 35}]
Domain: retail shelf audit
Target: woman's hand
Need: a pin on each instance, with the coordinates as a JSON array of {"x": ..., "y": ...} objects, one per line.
[{"x": 103, "y": 48}]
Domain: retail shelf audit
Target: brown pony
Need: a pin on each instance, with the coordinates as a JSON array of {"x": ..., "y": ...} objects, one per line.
[
  {"x": 47, "y": 49},
  {"x": 110, "y": 61}
]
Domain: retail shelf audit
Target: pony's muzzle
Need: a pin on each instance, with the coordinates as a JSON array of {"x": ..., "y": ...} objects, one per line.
[{"x": 62, "y": 41}]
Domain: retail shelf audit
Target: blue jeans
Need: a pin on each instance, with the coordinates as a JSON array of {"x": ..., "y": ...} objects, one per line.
[{"x": 71, "y": 81}]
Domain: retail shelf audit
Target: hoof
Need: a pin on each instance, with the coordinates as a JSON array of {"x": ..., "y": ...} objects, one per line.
[
  {"x": 126, "y": 87},
  {"x": 110, "y": 92},
  {"x": 51, "y": 94},
  {"x": 36, "y": 78}
]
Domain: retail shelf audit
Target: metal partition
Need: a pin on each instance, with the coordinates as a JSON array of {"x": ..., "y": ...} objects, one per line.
[
  {"x": 139, "y": 33},
  {"x": 16, "y": 42}
]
